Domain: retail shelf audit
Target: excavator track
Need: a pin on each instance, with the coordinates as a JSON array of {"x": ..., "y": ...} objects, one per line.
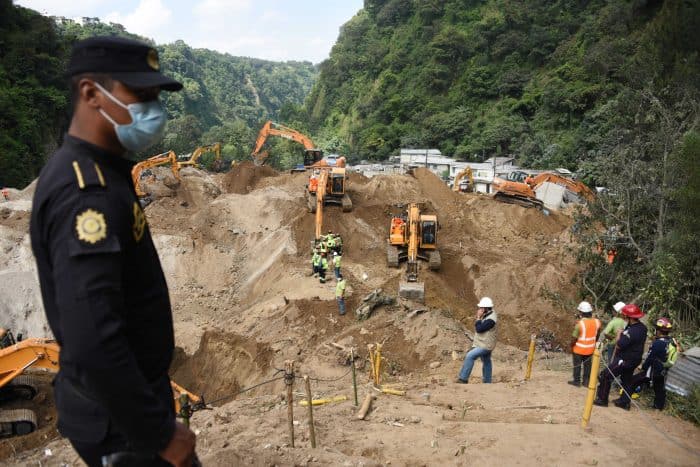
[
  {"x": 519, "y": 200},
  {"x": 434, "y": 260},
  {"x": 17, "y": 422},
  {"x": 21, "y": 387},
  {"x": 347, "y": 203},
  {"x": 392, "y": 256},
  {"x": 311, "y": 202}
]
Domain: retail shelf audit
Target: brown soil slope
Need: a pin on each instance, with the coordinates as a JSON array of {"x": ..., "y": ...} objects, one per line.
[{"x": 235, "y": 250}]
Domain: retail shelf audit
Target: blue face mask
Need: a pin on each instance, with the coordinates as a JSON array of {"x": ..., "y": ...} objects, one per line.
[{"x": 147, "y": 122}]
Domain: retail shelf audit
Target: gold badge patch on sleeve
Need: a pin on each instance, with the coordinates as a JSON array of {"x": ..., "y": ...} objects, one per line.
[
  {"x": 139, "y": 226},
  {"x": 91, "y": 226}
]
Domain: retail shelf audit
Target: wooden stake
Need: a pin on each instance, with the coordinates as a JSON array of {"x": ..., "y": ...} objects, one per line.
[
  {"x": 366, "y": 404},
  {"x": 289, "y": 381},
  {"x": 354, "y": 377},
  {"x": 312, "y": 431}
]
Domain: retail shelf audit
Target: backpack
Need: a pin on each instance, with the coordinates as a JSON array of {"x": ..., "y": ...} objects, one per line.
[{"x": 671, "y": 353}]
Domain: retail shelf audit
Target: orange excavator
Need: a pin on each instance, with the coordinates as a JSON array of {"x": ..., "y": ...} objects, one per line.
[
  {"x": 517, "y": 189},
  {"x": 270, "y": 128},
  {"x": 161, "y": 159},
  {"x": 327, "y": 186},
  {"x": 198, "y": 152},
  {"x": 413, "y": 236},
  {"x": 17, "y": 356}
]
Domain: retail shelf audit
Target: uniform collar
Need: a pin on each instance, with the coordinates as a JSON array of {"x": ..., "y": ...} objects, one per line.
[{"x": 98, "y": 154}]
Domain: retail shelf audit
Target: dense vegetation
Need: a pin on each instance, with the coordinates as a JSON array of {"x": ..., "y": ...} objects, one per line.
[
  {"x": 33, "y": 98},
  {"x": 225, "y": 98},
  {"x": 605, "y": 88},
  {"x": 485, "y": 77}
]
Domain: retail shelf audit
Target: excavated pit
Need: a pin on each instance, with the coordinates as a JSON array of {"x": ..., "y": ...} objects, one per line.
[{"x": 222, "y": 365}]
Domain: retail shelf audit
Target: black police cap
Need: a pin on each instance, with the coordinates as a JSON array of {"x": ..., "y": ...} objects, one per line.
[{"x": 131, "y": 62}]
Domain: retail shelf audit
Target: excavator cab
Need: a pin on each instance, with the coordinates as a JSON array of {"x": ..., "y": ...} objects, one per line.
[
  {"x": 337, "y": 184},
  {"x": 428, "y": 229},
  {"x": 311, "y": 156}
]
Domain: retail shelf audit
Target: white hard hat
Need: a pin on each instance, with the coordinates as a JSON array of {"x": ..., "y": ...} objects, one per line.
[
  {"x": 618, "y": 306},
  {"x": 585, "y": 307},
  {"x": 335, "y": 253},
  {"x": 485, "y": 302}
]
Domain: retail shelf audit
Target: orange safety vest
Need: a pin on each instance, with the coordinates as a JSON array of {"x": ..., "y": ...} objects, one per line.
[{"x": 588, "y": 330}]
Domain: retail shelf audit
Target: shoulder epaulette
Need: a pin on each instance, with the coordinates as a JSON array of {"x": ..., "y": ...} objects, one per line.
[{"x": 88, "y": 174}]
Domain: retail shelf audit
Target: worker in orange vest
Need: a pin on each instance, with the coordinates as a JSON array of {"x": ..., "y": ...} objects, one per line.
[{"x": 585, "y": 336}]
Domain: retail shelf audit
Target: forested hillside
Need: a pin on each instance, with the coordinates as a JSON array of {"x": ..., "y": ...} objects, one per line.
[
  {"x": 482, "y": 77},
  {"x": 225, "y": 98},
  {"x": 607, "y": 88}
]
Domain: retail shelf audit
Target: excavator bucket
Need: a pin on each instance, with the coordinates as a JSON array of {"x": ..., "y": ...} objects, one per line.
[{"x": 414, "y": 291}]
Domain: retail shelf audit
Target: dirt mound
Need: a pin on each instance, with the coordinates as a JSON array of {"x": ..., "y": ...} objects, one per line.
[
  {"x": 243, "y": 177},
  {"x": 235, "y": 252}
]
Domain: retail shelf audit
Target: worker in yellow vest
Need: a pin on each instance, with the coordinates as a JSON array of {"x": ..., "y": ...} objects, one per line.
[
  {"x": 340, "y": 294},
  {"x": 583, "y": 342},
  {"x": 330, "y": 241},
  {"x": 316, "y": 262},
  {"x": 336, "y": 264},
  {"x": 322, "y": 268}
]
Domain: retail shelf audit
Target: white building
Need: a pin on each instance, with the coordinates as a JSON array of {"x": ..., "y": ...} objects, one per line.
[{"x": 430, "y": 158}]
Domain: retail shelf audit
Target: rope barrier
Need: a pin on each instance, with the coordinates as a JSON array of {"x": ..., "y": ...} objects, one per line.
[
  {"x": 329, "y": 380},
  {"x": 245, "y": 390},
  {"x": 648, "y": 419},
  {"x": 242, "y": 391}
]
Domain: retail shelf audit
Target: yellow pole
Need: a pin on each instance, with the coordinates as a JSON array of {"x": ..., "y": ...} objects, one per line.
[
  {"x": 592, "y": 383},
  {"x": 372, "y": 366},
  {"x": 530, "y": 357},
  {"x": 378, "y": 357}
]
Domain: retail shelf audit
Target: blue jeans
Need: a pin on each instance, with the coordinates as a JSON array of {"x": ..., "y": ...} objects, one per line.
[
  {"x": 470, "y": 358},
  {"x": 337, "y": 272},
  {"x": 341, "y": 304}
]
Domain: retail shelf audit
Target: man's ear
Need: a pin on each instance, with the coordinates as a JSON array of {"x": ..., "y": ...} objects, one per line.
[{"x": 88, "y": 93}]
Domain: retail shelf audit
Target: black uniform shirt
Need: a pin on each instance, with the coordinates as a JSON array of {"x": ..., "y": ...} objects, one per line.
[
  {"x": 631, "y": 344},
  {"x": 105, "y": 298}
]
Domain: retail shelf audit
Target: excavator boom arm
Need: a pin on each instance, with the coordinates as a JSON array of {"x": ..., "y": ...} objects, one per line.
[
  {"x": 320, "y": 195},
  {"x": 160, "y": 159},
  {"x": 271, "y": 128},
  {"x": 197, "y": 153},
  {"x": 35, "y": 353},
  {"x": 572, "y": 185}
]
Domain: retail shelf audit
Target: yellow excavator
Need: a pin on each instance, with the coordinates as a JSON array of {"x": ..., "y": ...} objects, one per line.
[
  {"x": 198, "y": 152},
  {"x": 464, "y": 181},
  {"x": 161, "y": 159},
  {"x": 17, "y": 356},
  {"x": 413, "y": 236}
]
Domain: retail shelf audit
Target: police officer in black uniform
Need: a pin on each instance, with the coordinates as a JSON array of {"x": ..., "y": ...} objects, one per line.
[{"x": 102, "y": 285}]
